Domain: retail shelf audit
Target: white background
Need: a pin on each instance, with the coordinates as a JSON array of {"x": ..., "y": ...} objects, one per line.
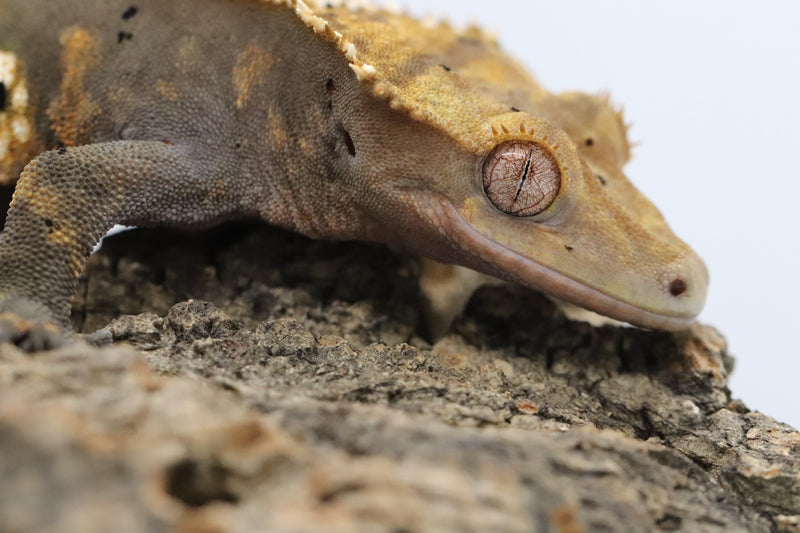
[{"x": 713, "y": 91}]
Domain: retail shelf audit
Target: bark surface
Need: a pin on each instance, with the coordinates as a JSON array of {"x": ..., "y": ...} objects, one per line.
[{"x": 304, "y": 399}]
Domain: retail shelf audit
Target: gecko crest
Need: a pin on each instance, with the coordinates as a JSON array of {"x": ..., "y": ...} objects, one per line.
[
  {"x": 305, "y": 13},
  {"x": 425, "y": 90}
]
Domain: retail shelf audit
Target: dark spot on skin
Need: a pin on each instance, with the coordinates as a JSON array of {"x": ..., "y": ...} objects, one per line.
[
  {"x": 589, "y": 141},
  {"x": 677, "y": 287},
  {"x": 514, "y": 109},
  {"x": 602, "y": 180},
  {"x": 62, "y": 150},
  {"x": 237, "y": 145},
  {"x": 124, "y": 36},
  {"x": 48, "y": 223},
  {"x": 351, "y": 148},
  {"x": 3, "y": 97},
  {"x": 130, "y": 13},
  {"x": 446, "y": 68},
  {"x": 167, "y": 142},
  {"x": 330, "y": 88},
  {"x": 568, "y": 247}
]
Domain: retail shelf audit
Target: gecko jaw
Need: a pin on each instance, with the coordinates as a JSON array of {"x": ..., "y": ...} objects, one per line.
[{"x": 507, "y": 264}]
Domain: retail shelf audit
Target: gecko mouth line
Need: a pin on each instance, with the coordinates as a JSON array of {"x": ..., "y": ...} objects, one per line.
[{"x": 526, "y": 271}]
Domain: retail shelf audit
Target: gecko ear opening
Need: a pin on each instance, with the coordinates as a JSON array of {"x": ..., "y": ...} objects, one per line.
[{"x": 521, "y": 178}]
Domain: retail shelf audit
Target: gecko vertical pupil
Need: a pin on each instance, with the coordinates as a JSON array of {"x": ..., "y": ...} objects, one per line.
[{"x": 521, "y": 178}]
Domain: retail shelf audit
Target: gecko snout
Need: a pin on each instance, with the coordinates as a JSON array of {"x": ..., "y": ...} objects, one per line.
[{"x": 686, "y": 282}]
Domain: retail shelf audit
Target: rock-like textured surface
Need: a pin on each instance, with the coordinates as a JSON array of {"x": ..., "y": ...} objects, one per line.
[{"x": 304, "y": 400}]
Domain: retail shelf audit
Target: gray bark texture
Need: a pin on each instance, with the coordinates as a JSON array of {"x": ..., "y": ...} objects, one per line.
[{"x": 303, "y": 399}]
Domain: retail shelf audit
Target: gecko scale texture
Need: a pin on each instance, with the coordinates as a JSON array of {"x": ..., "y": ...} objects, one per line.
[{"x": 337, "y": 123}]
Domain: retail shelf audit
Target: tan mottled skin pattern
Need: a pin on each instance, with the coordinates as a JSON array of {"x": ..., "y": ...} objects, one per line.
[{"x": 338, "y": 124}]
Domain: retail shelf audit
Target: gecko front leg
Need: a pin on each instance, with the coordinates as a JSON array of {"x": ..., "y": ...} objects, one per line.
[
  {"x": 67, "y": 199},
  {"x": 446, "y": 289}
]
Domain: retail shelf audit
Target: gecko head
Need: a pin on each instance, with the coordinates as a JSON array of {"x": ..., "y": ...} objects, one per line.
[{"x": 535, "y": 210}]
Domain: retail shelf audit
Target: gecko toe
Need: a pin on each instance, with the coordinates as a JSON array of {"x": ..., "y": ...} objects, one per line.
[{"x": 30, "y": 335}]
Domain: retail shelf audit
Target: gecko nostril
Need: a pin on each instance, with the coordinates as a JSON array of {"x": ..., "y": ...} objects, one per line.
[{"x": 677, "y": 287}]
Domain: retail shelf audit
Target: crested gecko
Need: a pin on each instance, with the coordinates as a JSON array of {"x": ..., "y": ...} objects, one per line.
[{"x": 335, "y": 122}]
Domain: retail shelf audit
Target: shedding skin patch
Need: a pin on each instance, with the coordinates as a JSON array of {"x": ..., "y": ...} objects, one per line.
[
  {"x": 73, "y": 112},
  {"x": 252, "y": 66},
  {"x": 18, "y": 141}
]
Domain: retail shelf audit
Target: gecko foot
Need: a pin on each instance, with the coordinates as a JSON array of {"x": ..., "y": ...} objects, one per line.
[{"x": 32, "y": 335}]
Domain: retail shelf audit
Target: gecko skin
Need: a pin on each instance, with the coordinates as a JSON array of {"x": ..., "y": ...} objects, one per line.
[{"x": 332, "y": 122}]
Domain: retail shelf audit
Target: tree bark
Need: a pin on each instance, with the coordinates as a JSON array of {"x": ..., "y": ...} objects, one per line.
[{"x": 305, "y": 400}]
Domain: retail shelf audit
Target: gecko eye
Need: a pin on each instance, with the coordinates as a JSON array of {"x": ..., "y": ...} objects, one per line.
[{"x": 521, "y": 178}]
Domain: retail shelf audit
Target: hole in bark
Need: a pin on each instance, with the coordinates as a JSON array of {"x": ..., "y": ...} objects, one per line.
[
  {"x": 197, "y": 484},
  {"x": 669, "y": 522},
  {"x": 331, "y": 495}
]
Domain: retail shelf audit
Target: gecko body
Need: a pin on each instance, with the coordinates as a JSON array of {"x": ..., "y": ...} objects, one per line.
[{"x": 332, "y": 122}]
